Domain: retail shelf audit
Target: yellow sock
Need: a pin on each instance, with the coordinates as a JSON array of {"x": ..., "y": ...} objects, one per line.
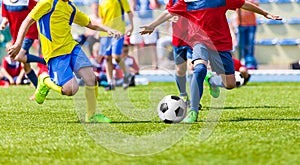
[
  {"x": 91, "y": 93},
  {"x": 52, "y": 85}
]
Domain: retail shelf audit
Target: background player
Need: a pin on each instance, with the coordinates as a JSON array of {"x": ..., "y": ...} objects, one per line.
[
  {"x": 13, "y": 13},
  {"x": 62, "y": 53}
]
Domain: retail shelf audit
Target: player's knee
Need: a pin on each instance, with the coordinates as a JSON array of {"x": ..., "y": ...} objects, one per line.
[
  {"x": 180, "y": 71},
  {"x": 69, "y": 91},
  {"x": 200, "y": 68}
]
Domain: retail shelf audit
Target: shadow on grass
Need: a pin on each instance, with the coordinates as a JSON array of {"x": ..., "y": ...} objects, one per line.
[
  {"x": 245, "y": 107},
  {"x": 119, "y": 122},
  {"x": 259, "y": 119},
  {"x": 59, "y": 98}
]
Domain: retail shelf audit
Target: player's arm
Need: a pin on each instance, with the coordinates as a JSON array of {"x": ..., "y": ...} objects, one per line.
[
  {"x": 163, "y": 17},
  {"x": 129, "y": 28},
  {"x": 252, "y": 7},
  {"x": 20, "y": 77},
  {"x": 7, "y": 75},
  {"x": 14, "y": 49},
  {"x": 3, "y": 23},
  {"x": 110, "y": 31}
]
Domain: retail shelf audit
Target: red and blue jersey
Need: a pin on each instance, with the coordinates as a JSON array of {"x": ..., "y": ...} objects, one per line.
[
  {"x": 207, "y": 21},
  {"x": 180, "y": 33},
  {"x": 16, "y": 11},
  {"x": 12, "y": 67}
]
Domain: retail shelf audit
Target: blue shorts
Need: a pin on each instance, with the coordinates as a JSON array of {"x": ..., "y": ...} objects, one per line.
[
  {"x": 27, "y": 43},
  {"x": 221, "y": 62},
  {"x": 181, "y": 54},
  {"x": 111, "y": 45},
  {"x": 61, "y": 68}
]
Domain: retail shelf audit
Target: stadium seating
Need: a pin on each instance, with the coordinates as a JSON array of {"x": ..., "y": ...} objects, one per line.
[{"x": 278, "y": 42}]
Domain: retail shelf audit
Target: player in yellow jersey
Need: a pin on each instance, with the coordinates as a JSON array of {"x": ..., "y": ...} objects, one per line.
[
  {"x": 62, "y": 54},
  {"x": 112, "y": 14}
]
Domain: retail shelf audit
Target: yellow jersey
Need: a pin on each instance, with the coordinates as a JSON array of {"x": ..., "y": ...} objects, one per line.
[
  {"x": 54, "y": 18},
  {"x": 112, "y": 14}
]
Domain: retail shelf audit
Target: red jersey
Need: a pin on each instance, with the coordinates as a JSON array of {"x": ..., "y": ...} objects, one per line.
[
  {"x": 13, "y": 68},
  {"x": 180, "y": 34},
  {"x": 237, "y": 64},
  {"x": 207, "y": 21},
  {"x": 16, "y": 12}
]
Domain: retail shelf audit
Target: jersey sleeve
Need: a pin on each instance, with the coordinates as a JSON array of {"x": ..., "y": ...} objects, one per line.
[
  {"x": 125, "y": 5},
  {"x": 42, "y": 8},
  {"x": 169, "y": 4},
  {"x": 3, "y": 11},
  {"x": 81, "y": 18},
  {"x": 4, "y": 63},
  {"x": 234, "y": 4}
]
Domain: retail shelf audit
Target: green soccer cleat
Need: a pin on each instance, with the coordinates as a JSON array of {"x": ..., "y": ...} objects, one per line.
[
  {"x": 97, "y": 118},
  {"x": 42, "y": 89},
  {"x": 214, "y": 91},
  {"x": 191, "y": 117}
]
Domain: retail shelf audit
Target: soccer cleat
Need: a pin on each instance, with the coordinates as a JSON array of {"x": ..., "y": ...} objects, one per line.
[
  {"x": 191, "y": 117},
  {"x": 97, "y": 118},
  {"x": 247, "y": 79},
  {"x": 214, "y": 91},
  {"x": 42, "y": 89},
  {"x": 127, "y": 79}
]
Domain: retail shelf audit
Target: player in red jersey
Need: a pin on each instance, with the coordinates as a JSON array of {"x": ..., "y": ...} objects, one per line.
[
  {"x": 13, "y": 13},
  {"x": 11, "y": 70},
  {"x": 182, "y": 52},
  {"x": 211, "y": 40}
]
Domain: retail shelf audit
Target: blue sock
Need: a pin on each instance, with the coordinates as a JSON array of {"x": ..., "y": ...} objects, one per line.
[
  {"x": 200, "y": 71},
  {"x": 190, "y": 76},
  {"x": 32, "y": 77},
  {"x": 181, "y": 84},
  {"x": 216, "y": 81},
  {"x": 33, "y": 58}
]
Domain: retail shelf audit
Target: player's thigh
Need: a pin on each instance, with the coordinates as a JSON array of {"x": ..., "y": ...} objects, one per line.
[
  {"x": 82, "y": 66},
  {"x": 61, "y": 73},
  {"x": 222, "y": 64},
  {"x": 117, "y": 46},
  {"x": 88, "y": 76},
  {"x": 105, "y": 46}
]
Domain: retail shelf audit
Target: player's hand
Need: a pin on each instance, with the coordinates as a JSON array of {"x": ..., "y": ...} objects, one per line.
[
  {"x": 114, "y": 33},
  {"x": 2, "y": 26},
  {"x": 18, "y": 81},
  {"x": 11, "y": 81},
  {"x": 129, "y": 30},
  {"x": 273, "y": 17},
  {"x": 14, "y": 50},
  {"x": 174, "y": 19},
  {"x": 146, "y": 30}
]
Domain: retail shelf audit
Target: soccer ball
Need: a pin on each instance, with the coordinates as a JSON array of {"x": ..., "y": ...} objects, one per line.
[
  {"x": 239, "y": 79},
  {"x": 171, "y": 109}
]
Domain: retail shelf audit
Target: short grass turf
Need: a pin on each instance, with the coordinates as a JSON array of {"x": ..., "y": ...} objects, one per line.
[{"x": 255, "y": 124}]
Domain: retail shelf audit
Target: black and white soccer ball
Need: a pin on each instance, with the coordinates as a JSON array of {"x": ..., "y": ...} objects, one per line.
[
  {"x": 239, "y": 78},
  {"x": 171, "y": 109}
]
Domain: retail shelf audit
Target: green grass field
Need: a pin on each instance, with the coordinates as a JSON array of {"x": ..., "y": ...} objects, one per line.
[{"x": 255, "y": 124}]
